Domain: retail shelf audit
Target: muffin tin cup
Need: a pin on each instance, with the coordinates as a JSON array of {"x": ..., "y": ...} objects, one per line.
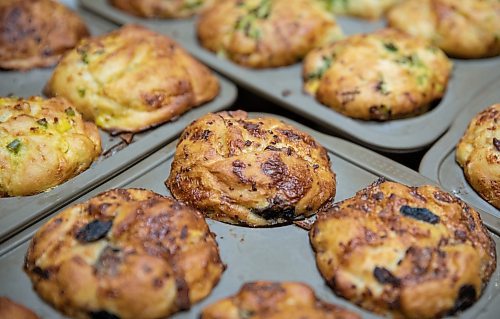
[
  {"x": 284, "y": 86},
  {"x": 18, "y": 212},
  {"x": 439, "y": 162},
  {"x": 281, "y": 253}
]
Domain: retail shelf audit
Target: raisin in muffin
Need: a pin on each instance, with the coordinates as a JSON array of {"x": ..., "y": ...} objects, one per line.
[
  {"x": 254, "y": 172},
  {"x": 12, "y": 310},
  {"x": 478, "y": 153},
  {"x": 377, "y": 76},
  {"x": 131, "y": 79},
  {"x": 162, "y": 8},
  {"x": 266, "y": 33},
  {"x": 462, "y": 28},
  {"x": 367, "y": 9},
  {"x": 126, "y": 253},
  {"x": 35, "y": 33},
  {"x": 43, "y": 143},
  {"x": 413, "y": 252},
  {"x": 264, "y": 299}
]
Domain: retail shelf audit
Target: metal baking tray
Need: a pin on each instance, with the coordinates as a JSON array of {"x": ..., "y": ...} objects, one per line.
[
  {"x": 284, "y": 86},
  {"x": 439, "y": 162},
  {"x": 276, "y": 253},
  {"x": 16, "y": 212}
]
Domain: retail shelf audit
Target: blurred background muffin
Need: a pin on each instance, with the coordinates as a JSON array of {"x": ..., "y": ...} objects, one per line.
[{"x": 162, "y": 8}]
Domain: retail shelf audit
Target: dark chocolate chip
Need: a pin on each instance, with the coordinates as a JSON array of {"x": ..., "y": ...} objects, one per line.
[
  {"x": 44, "y": 274},
  {"x": 102, "y": 314},
  {"x": 384, "y": 276},
  {"x": 465, "y": 299},
  {"x": 93, "y": 231},
  {"x": 417, "y": 213},
  {"x": 496, "y": 143}
]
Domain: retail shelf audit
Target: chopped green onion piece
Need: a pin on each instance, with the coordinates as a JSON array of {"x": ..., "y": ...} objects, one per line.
[
  {"x": 69, "y": 111},
  {"x": 390, "y": 47},
  {"x": 42, "y": 122},
  {"x": 81, "y": 92},
  {"x": 14, "y": 146}
]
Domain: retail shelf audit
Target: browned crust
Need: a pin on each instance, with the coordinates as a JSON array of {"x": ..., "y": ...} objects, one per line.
[{"x": 162, "y": 8}]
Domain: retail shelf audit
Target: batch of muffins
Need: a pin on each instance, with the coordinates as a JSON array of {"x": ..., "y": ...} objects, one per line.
[{"x": 133, "y": 253}]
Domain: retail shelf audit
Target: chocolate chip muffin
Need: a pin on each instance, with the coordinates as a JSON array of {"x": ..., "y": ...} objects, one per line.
[
  {"x": 12, "y": 310},
  {"x": 35, "y": 33},
  {"x": 413, "y": 252},
  {"x": 367, "y": 9},
  {"x": 377, "y": 76},
  {"x": 264, "y": 299},
  {"x": 462, "y": 28},
  {"x": 478, "y": 153},
  {"x": 126, "y": 253},
  {"x": 162, "y": 8},
  {"x": 250, "y": 171},
  {"x": 266, "y": 33},
  {"x": 43, "y": 143},
  {"x": 131, "y": 79}
]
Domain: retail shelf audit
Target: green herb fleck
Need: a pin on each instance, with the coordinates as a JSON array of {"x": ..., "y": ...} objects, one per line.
[
  {"x": 81, "y": 92},
  {"x": 382, "y": 87},
  {"x": 326, "y": 61},
  {"x": 69, "y": 111},
  {"x": 42, "y": 122},
  {"x": 390, "y": 47},
  {"x": 191, "y": 4},
  {"x": 85, "y": 57},
  {"x": 14, "y": 146}
]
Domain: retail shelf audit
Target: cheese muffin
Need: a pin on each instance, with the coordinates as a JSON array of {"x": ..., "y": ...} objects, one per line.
[
  {"x": 43, "y": 143},
  {"x": 162, "y": 8},
  {"x": 126, "y": 253},
  {"x": 412, "y": 252},
  {"x": 266, "y": 33},
  {"x": 35, "y": 33},
  {"x": 378, "y": 76},
  {"x": 367, "y": 9},
  {"x": 12, "y": 310},
  {"x": 478, "y": 153},
  {"x": 254, "y": 172},
  {"x": 131, "y": 79},
  {"x": 462, "y": 28},
  {"x": 264, "y": 299}
]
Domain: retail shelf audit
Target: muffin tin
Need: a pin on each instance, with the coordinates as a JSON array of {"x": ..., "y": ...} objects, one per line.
[
  {"x": 439, "y": 162},
  {"x": 284, "y": 86},
  {"x": 17, "y": 212},
  {"x": 273, "y": 253}
]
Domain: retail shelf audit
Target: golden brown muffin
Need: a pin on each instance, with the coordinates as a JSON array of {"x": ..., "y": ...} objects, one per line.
[
  {"x": 274, "y": 300},
  {"x": 35, "y": 33},
  {"x": 377, "y": 76},
  {"x": 367, "y": 9},
  {"x": 253, "y": 172},
  {"x": 131, "y": 79},
  {"x": 12, "y": 310},
  {"x": 266, "y": 33},
  {"x": 462, "y": 28},
  {"x": 413, "y": 252},
  {"x": 478, "y": 153},
  {"x": 162, "y": 8},
  {"x": 43, "y": 143},
  {"x": 126, "y": 253}
]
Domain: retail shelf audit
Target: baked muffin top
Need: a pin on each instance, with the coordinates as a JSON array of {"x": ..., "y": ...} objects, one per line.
[
  {"x": 43, "y": 143},
  {"x": 377, "y": 76},
  {"x": 478, "y": 153},
  {"x": 126, "y": 253},
  {"x": 131, "y": 79},
  {"x": 367, "y": 9},
  {"x": 162, "y": 8},
  {"x": 414, "y": 252},
  {"x": 266, "y": 33},
  {"x": 250, "y": 171},
  {"x": 35, "y": 33}
]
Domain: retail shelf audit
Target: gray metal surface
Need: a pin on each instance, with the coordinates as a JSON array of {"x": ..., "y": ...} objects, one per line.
[
  {"x": 278, "y": 253},
  {"x": 439, "y": 162},
  {"x": 18, "y": 212},
  {"x": 284, "y": 87}
]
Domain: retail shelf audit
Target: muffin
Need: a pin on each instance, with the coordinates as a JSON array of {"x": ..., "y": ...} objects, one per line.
[
  {"x": 253, "y": 172},
  {"x": 367, "y": 9},
  {"x": 43, "y": 143},
  {"x": 478, "y": 153},
  {"x": 462, "y": 28},
  {"x": 126, "y": 253},
  {"x": 412, "y": 252},
  {"x": 12, "y": 310},
  {"x": 162, "y": 8},
  {"x": 35, "y": 33},
  {"x": 378, "y": 76},
  {"x": 131, "y": 79},
  {"x": 266, "y": 33},
  {"x": 264, "y": 299}
]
